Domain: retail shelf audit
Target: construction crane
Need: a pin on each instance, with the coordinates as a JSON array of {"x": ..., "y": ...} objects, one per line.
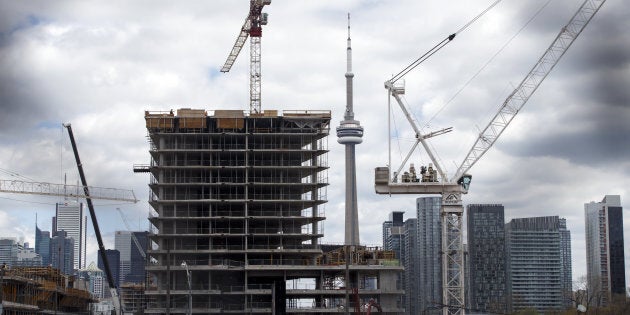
[
  {"x": 435, "y": 181},
  {"x": 251, "y": 28},
  {"x": 63, "y": 190},
  {"x": 110, "y": 279}
]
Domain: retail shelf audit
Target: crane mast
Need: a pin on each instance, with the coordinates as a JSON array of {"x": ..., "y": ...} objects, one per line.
[
  {"x": 452, "y": 189},
  {"x": 252, "y": 28}
]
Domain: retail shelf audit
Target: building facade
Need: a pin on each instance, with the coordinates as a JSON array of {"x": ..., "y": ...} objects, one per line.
[
  {"x": 113, "y": 259},
  {"x": 536, "y": 263},
  {"x": 393, "y": 234},
  {"x": 605, "y": 248},
  {"x": 9, "y": 248},
  {"x": 14, "y": 253},
  {"x": 486, "y": 272},
  {"x": 132, "y": 259},
  {"x": 94, "y": 279},
  {"x": 394, "y": 240},
  {"x": 62, "y": 252},
  {"x": 238, "y": 203},
  {"x": 70, "y": 217},
  {"x": 42, "y": 245},
  {"x": 410, "y": 262},
  {"x": 429, "y": 248}
]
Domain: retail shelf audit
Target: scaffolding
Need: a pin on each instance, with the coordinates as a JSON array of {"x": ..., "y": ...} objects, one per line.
[{"x": 36, "y": 290}]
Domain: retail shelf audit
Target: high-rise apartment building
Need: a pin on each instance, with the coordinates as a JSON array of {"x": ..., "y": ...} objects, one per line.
[
  {"x": 537, "y": 249},
  {"x": 70, "y": 217},
  {"x": 605, "y": 248},
  {"x": 410, "y": 262},
  {"x": 429, "y": 248},
  {"x": 42, "y": 245},
  {"x": 394, "y": 240},
  {"x": 486, "y": 272},
  {"x": 238, "y": 203},
  {"x": 393, "y": 234},
  {"x": 62, "y": 252}
]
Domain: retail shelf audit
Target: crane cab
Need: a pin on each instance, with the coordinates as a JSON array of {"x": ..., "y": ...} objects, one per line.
[{"x": 464, "y": 181}]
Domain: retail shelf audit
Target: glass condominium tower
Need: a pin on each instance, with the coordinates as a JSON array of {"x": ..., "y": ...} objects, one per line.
[
  {"x": 486, "y": 258},
  {"x": 538, "y": 253},
  {"x": 605, "y": 264}
]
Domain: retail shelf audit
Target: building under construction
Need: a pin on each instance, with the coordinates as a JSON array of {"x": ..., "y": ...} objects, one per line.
[
  {"x": 238, "y": 203},
  {"x": 41, "y": 290}
]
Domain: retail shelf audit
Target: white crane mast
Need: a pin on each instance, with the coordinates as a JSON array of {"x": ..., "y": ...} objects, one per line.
[{"x": 452, "y": 189}]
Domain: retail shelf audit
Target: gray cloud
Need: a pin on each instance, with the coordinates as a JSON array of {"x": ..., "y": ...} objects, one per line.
[{"x": 100, "y": 66}]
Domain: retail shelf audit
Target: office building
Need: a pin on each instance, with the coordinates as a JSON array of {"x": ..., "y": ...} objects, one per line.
[
  {"x": 605, "y": 248},
  {"x": 486, "y": 272},
  {"x": 132, "y": 262},
  {"x": 113, "y": 259},
  {"x": 27, "y": 257},
  {"x": 70, "y": 218},
  {"x": 14, "y": 253},
  {"x": 42, "y": 245},
  {"x": 536, "y": 262},
  {"x": 94, "y": 280},
  {"x": 9, "y": 248},
  {"x": 62, "y": 252},
  {"x": 429, "y": 251}
]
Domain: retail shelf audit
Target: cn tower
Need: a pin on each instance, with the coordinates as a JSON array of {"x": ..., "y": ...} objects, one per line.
[{"x": 350, "y": 133}]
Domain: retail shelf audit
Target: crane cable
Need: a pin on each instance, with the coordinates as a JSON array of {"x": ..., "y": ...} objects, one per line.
[
  {"x": 486, "y": 64},
  {"x": 439, "y": 46}
]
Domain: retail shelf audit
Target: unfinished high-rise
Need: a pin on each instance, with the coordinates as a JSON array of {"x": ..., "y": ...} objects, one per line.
[{"x": 238, "y": 214}]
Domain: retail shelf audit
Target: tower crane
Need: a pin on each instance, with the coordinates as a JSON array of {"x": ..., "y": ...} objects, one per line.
[
  {"x": 451, "y": 189},
  {"x": 252, "y": 28},
  {"x": 63, "y": 190}
]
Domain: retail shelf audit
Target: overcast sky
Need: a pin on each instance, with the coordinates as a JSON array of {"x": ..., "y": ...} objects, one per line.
[{"x": 100, "y": 65}]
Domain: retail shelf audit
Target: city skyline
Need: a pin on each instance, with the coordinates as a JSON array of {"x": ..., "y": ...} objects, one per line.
[{"x": 571, "y": 130}]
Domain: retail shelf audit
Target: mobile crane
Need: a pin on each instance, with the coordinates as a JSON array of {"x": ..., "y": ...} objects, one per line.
[
  {"x": 110, "y": 279},
  {"x": 451, "y": 189}
]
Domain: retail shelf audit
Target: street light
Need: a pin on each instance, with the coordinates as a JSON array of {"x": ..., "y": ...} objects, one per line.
[{"x": 185, "y": 265}]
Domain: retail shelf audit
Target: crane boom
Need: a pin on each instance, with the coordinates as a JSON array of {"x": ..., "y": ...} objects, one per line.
[
  {"x": 62, "y": 190},
  {"x": 238, "y": 45},
  {"x": 521, "y": 94},
  {"x": 97, "y": 230},
  {"x": 252, "y": 28}
]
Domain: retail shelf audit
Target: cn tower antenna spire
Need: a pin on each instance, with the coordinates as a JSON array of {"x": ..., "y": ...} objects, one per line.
[
  {"x": 350, "y": 133},
  {"x": 349, "y": 115}
]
